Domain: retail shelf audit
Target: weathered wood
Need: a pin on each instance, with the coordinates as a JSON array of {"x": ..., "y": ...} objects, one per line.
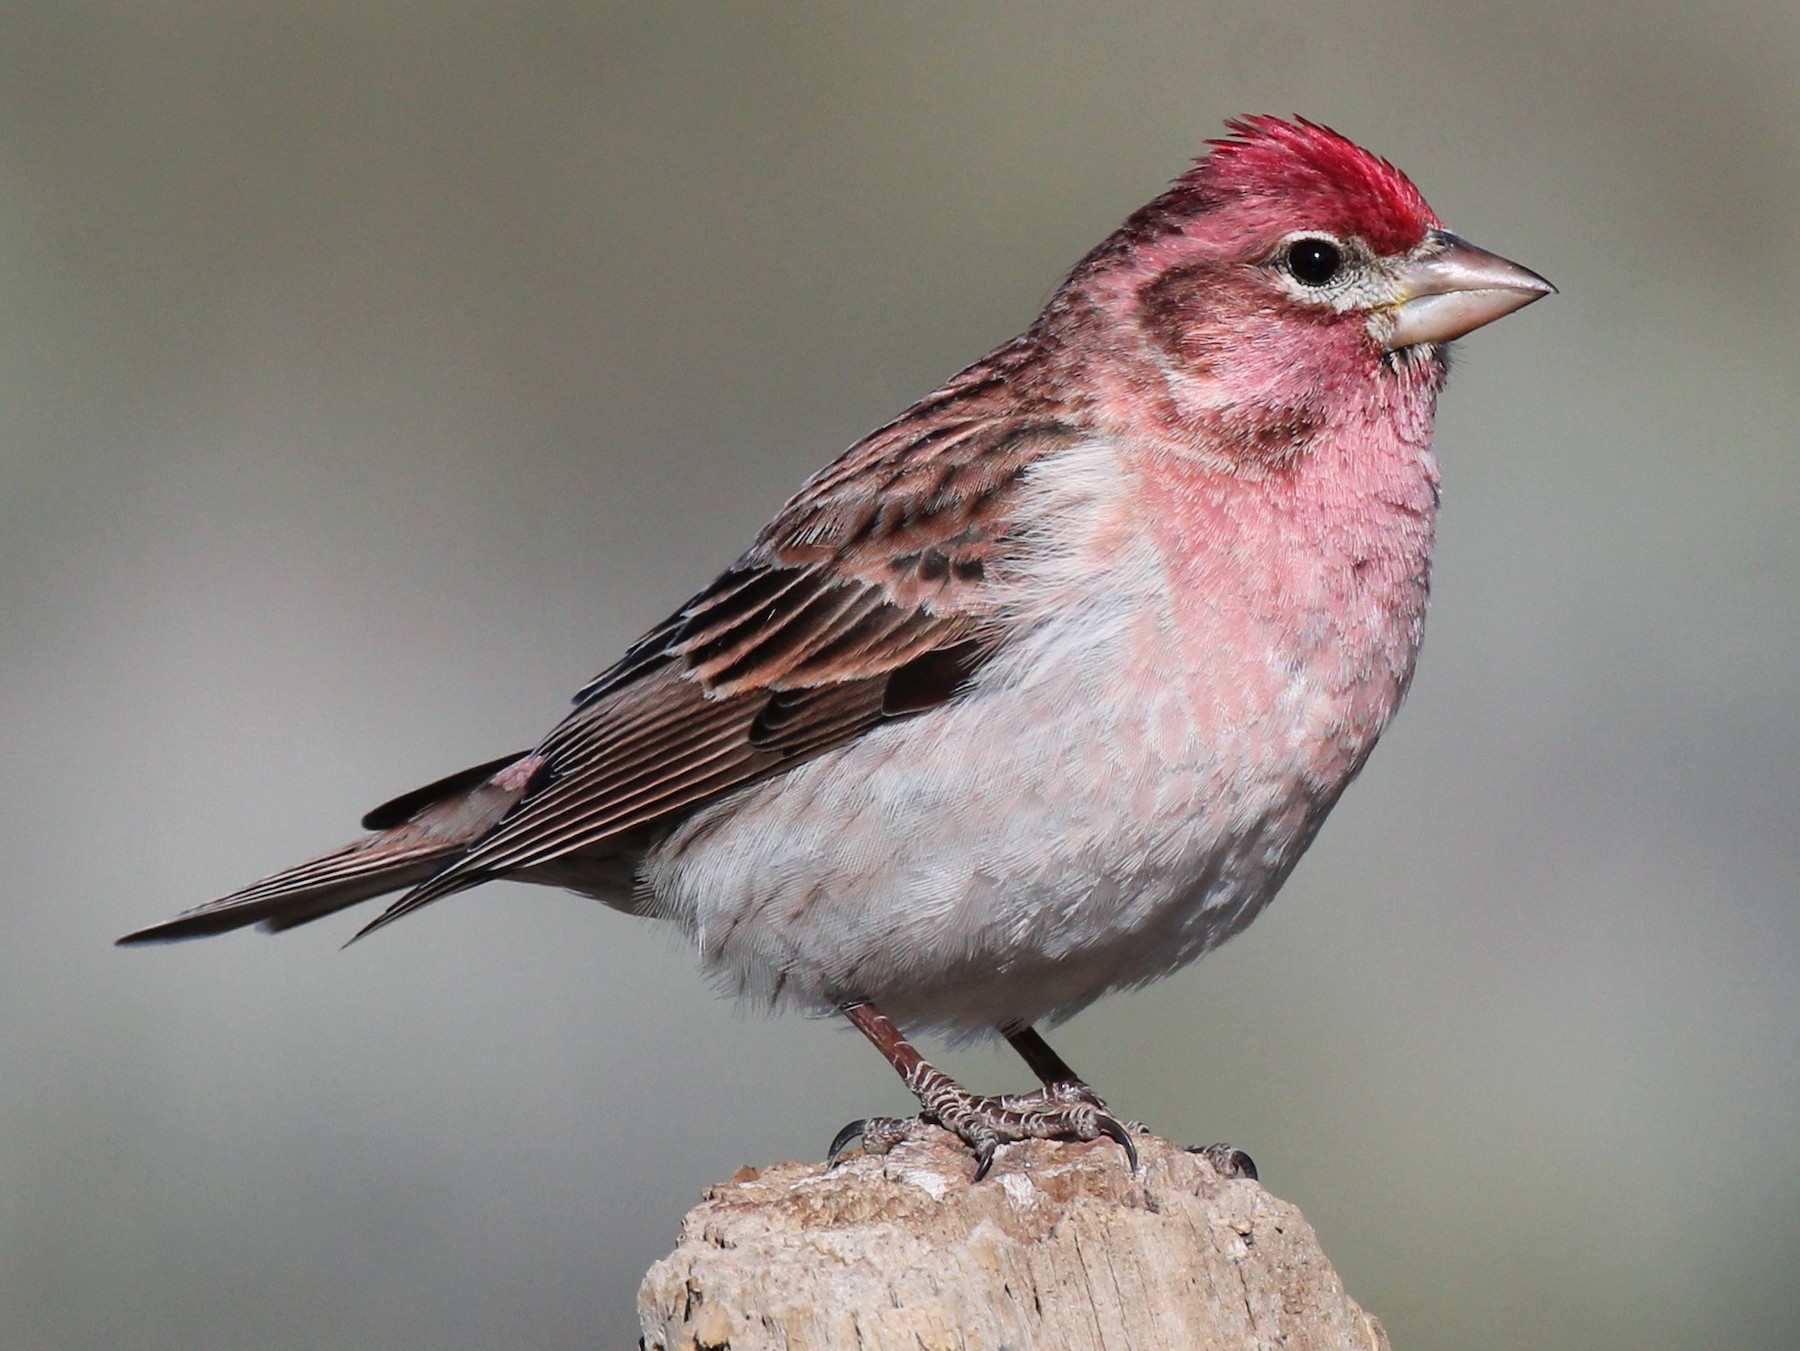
[{"x": 1058, "y": 1249}]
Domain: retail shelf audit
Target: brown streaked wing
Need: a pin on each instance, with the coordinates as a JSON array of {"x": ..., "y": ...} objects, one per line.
[{"x": 874, "y": 575}]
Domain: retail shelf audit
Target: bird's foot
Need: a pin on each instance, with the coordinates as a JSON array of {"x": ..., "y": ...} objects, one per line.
[
  {"x": 1227, "y": 1160},
  {"x": 1068, "y": 1110}
]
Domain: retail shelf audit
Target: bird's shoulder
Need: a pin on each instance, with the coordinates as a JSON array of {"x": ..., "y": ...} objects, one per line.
[{"x": 883, "y": 555}]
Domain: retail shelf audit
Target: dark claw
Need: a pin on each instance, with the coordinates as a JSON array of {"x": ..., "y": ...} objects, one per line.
[
  {"x": 1229, "y": 1162},
  {"x": 984, "y": 1158},
  {"x": 1242, "y": 1165},
  {"x": 1112, "y": 1130},
  {"x": 841, "y": 1141}
]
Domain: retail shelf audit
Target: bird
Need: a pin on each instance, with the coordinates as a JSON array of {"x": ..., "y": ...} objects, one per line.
[{"x": 1040, "y": 690}]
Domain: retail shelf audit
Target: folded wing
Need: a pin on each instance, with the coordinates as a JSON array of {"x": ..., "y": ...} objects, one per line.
[{"x": 869, "y": 597}]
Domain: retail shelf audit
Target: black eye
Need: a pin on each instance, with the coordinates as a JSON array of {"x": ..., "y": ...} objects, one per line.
[{"x": 1313, "y": 262}]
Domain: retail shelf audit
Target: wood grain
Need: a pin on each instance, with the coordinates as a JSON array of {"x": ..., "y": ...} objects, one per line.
[{"x": 1059, "y": 1249}]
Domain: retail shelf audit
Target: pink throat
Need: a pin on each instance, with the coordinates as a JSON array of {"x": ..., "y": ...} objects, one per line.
[{"x": 1311, "y": 577}]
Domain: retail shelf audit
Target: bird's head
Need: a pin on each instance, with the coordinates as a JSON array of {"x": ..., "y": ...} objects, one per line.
[{"x": 1287, "y": 268}]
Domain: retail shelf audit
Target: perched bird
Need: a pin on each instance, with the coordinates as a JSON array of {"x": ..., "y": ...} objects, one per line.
[{"x": 1040, "y": 690}]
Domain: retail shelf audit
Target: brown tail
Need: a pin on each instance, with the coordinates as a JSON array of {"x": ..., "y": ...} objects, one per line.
[{"x": 415, "y": 836}]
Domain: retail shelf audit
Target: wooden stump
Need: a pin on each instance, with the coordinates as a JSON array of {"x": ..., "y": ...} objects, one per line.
[{"x": 1058, "y": 1249}]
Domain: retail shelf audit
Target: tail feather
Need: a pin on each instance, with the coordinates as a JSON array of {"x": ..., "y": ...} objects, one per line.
[
  {"x": 320, "y": 887},
  {"x": 406, "y": 854}
]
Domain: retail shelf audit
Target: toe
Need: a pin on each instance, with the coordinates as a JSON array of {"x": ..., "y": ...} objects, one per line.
[{"x": 1229, "y": 1162}]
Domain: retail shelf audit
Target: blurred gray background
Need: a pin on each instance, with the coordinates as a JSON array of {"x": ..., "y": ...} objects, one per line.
[{"x": 372, "y": 373}]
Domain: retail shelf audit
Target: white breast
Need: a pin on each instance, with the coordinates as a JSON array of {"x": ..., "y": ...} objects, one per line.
[{"x": 1074, "y": 823}]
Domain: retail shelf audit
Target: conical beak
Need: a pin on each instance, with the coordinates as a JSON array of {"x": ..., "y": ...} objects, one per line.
[{"x": 1458, "y": 289}]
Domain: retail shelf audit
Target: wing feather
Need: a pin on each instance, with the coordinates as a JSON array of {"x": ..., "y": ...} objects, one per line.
[{"x": 868, "y": 597}]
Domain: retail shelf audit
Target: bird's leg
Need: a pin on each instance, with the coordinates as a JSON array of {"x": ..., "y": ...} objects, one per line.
[
  {"x": 1052, "y": 1070},
  {"x": 1066, "y": 1109}
]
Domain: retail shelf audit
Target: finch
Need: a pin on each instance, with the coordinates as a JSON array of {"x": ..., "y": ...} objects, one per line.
[{"x": 1040, "y": 690}]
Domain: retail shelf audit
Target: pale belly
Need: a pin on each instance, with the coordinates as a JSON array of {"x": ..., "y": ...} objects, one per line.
[
  {"x": 1008, "y": 858},
  {"x": 1128, "y": 782}
]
